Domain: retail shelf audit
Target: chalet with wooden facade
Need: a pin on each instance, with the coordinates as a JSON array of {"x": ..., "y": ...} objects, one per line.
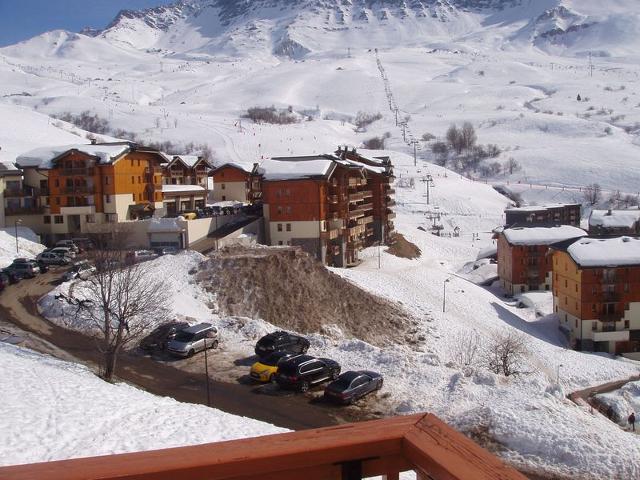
[
  {"x": 380, "y": 178},
  {"x": 67, "y": 189},
  {"x": 321, "y": 203},
  {"x": 12, "y": 197},
  {"x": 185, "y": 183},
  {"x": 596, "y": 293},
  {"x": 543, "y": 215},
  {"x": 614, "y": 223},
  {"x": 523, "y": 263},
  {"x": 232, "y": 182}
]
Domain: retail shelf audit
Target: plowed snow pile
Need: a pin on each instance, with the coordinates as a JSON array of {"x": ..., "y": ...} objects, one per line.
[{"x": 289, "y": 289}]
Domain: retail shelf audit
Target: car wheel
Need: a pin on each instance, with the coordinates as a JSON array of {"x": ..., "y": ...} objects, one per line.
[
  {"x": 380, "y": 382},
  {"x": 334, "y": 374},
  {"x": 304, "y": 387},
  {"x": 191, "y": 353}
]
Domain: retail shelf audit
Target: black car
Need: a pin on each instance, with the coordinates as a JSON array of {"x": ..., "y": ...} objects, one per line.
[
  {"x": 300, "y": 372},
  {"x": 14, "y": 277},
  {"x": 350, "y": 386},
  {"x": 25, "y": 270},
  {"x": 159, "y": 338},
  {"x": 37, "y": 266},
  {"x": 281, "y": 342}
]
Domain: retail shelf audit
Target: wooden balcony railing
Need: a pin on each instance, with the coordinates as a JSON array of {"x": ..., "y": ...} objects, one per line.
[{"x": 421, "y": 443}]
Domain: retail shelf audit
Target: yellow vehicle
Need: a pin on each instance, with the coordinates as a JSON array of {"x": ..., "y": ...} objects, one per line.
[
  {"x": 264, "y": 370},
  {"x": 190, "y": 216}
]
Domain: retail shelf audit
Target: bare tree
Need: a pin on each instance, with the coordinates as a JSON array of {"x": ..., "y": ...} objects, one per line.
[
  {"x": 468, "y": 136},
  {"x": 511, "y": 166},
  {"x": 505, "y": 354},
  {"x": 441, "y": 151},
  {"x": 454, "y": 139},
  {"x": 593, "y": 193},
  {"x": 615, "y": 200},
  {"x": 467, "y": 349},
  {"x": 122, "y": 301}
]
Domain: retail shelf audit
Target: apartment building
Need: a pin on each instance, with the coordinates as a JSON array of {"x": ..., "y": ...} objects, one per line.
[
  {"x": 232, "y": 182},
  {"x": 543, "y": 215},
  {"x": 596, "y": 293},
  {"x": 12, "y": 197},
  {"x": 185, "y": 183},
  {"x": 523, "y": 263},
  {"x": 321, "y": 203},
  {"x": 67, "y": 189},
  {"x": 380, "y": 177},
  {"x": 614, "y": 223}
]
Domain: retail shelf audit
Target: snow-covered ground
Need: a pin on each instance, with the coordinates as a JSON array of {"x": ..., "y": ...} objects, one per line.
[
  {"x": 28, "y": 244},
  {"x": 54, "y": 410},
  {"x": 624, "y": 401}
]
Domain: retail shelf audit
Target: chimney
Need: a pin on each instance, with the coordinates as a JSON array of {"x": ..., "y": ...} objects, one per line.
[
  {"x": 93, "y": 141},
  {"x": 609, "y": 212}
]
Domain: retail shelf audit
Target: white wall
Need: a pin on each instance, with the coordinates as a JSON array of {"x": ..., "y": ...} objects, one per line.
[
  {"x": 309, "y": 229},
  {"x": 232, "y": 191}
]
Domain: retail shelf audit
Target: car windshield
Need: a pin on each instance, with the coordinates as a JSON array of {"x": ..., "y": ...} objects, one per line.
[{"x": 184, "y": 336}]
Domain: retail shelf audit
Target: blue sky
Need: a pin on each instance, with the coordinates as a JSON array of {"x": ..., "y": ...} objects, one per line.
[{"x": 22, "y": 19}]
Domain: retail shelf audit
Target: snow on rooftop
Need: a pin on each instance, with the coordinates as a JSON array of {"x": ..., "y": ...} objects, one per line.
[
  {"x": 614, "y": 218},
  {"x": 42, "y": 157},
  {"x": 542, "y": 235},
  {"x": 72, "y": 405},
  {"x": 189, "y": 160},
  {"x": 182, "y": 188},
  {"x": 291, "y": 170},
  {"x": 593, "y": 252},
  {"x": 536, "y": 208}
]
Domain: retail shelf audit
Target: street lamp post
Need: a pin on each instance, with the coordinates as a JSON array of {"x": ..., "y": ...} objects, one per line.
[
  {"x": 558, "y": 373},
  {"x": 15, "y": 224},
  {"x": 444, "y": 294},
  {"x": 206, "y": 373}
]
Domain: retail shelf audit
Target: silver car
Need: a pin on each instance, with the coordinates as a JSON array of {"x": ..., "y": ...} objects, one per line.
[{"x": 194, "y": 339}]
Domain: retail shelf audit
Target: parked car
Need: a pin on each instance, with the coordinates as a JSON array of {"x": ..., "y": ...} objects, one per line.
[
  {"x": 49, "y": 258},
  {"x": 66, "y": 251},
  {"x": 281, "y": 341},
  {"x": 265, "y": 369},
  {"x": 82, "y": 270},
  {"x": 138, "y": 256},
  {"x": 350, "y": 386},
  {"x": 14, "y": 277},
  {"x": 194, "y": 339},
  {"x": 37, "y": 266},
  {"x": 159, "y": 338},
  {"x": 25, "y": 270},
  {"x": 299, "y": 373},
  {"x": 68, "y": 244}
]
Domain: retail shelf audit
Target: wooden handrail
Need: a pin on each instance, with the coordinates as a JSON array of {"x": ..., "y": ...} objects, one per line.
[{"x": 383, "y": 447}]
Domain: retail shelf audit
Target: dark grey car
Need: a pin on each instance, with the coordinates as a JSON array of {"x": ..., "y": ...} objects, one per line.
[{"x": 350, "y": 386}]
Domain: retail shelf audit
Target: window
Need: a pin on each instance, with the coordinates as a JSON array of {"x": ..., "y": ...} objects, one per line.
[
  {"x": 576, "y": 287},
  {"x": 59, "y": 219},
  {"x": 47, "y": 219},
  {"x": 279, "y": 242},
  {"x": 132, "y": 162},
  {"x": 106, "y": 180},
  {"x": 279, "y": 227},
  {"x": 594, "y": 326},
  {"x": 626, "y": 324},
  {"x": 566, "y": 284},
  {"x": 593, "y": 308},
  {"x": 280, "y": 210},
  {"x": 288, "y": 227},
  {"x": 222, "y": 186},
  {"x": 107, "y": 198},
  {"x": 138, "y": 162},
  {"x": 288, "y": 209},
  {"x": 133, "y": 179},
  {"x": 91, "y": 219}
]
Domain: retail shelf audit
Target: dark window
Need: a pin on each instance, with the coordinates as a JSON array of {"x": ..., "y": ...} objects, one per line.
[
  {"x": 59, "y": 219},
  {"x": 626, "y": 324},
  {"x": 288, "y": 227},
  {"x": 279, "y": 227},
  {"x": 47, "y": 219}
]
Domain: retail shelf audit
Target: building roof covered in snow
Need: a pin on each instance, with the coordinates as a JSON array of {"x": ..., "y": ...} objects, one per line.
[
  {"x": 614, "y": 218},
  {"x": 8, "y": 170},
  {"x": 45, "y": 157},
  {"x": 541, "y": 235},
  {"x": 189, "y": 161},
  {"x": 181, "y": 188},
  {"x": 297, "y": 168},
  {"x": 609, "y": 252}
]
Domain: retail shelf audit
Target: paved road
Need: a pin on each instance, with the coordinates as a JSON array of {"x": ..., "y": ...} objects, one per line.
[{"x": 18, "y": 307}]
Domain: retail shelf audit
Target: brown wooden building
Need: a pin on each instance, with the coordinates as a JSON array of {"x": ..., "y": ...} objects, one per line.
[
  {"x": 543, "y": 215},
  {"x": 232, "y": 182},
  {"x": 596, "y": 293},
  {"x": 523, "y": 263}
]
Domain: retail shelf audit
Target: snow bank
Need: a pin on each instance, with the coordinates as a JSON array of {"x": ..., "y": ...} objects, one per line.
[
  {"x": 72, "y": 413},
  {"x": 28, "y": 244}
]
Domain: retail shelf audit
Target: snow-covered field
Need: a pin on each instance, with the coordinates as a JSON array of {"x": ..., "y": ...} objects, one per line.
[{"x": 54, "y": 410}]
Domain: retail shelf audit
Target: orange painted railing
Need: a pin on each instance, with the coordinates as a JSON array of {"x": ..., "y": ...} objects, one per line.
[{"x": 422, "y": 443}]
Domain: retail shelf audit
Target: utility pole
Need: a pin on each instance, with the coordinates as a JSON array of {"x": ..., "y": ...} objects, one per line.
[
  {"x": 396, "y": 112},
  {"x": 428, "y": 182},
  {"x": 415, "y": 142},
  {"x": 404, "y": 131},
  {"x": 206, "y": 372}
]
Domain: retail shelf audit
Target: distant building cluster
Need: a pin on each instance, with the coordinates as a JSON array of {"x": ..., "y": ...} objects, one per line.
[
  {"x": 331, "y": 206},
  {"x": 594, "y": 275}
]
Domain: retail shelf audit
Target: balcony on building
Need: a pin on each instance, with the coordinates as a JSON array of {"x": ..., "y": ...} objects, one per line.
[
  {"x": 356, "y": 213},
  {"x": 79, "y": 190},
  {"x": 24, "y": 210},
  {"x": 333, "y": 199},
  {"x": 390, "y": 214},
  {"x": 77, "y": 172},
  {"x": 356, "y": 197}
]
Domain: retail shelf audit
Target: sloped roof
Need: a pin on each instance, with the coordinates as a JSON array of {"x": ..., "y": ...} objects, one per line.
[
  {"x": 610, "y": 252},
  {"x": 614, "y": 218},
  {"x": 45, "y": 157},
  {"x": 541, "y": 235},
  {"x": 295, "y": 168}
]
